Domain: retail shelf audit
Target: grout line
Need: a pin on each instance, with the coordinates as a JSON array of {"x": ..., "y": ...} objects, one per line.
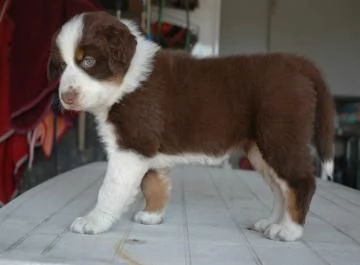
[
  {"x": 37, "y": 191},
  {"x": 53, "y": 243},
  {"x": 338, "y": 196},
  {"x": 303, "y": 241},
  {"x": 36, "y": 194},
  {"x": 233, "y": 219},
  {"x": 187, "y": 245},
  {"x": 337, "y": 204},
  {"x": 336, "y": 228},
  {"x": 119, "y": 249},
  {"x": 48, "y": 218},
  {"x": 315, "y": 252}
]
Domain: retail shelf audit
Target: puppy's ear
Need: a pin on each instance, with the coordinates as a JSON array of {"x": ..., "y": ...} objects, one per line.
[
  {"x": 121, "y": 45},
  {"x": 52, "y": 70}
]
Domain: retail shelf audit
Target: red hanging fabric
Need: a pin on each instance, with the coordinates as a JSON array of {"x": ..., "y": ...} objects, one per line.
[
  {"x": 6, "y": 28},
  {"x": 36, "y": 21},
  {"x": 13, "y": 148},
  {"x": 26, "y": 29}
]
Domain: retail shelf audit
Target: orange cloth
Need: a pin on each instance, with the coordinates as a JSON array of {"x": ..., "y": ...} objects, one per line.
[{"x": 44, "y": 132}]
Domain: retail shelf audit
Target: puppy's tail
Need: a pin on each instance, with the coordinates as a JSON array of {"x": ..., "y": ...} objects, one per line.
[
  {"x": 325, "y": 114},
  {"x": 324, "y": 125}
]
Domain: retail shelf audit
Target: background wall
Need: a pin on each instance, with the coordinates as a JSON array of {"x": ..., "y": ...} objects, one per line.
[
  {"x": 243, "y": 26},
  {"x": 327, "y": 31}
]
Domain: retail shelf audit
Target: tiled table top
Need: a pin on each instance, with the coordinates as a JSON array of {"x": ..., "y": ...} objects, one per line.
[{"x": 206, "y": 224}]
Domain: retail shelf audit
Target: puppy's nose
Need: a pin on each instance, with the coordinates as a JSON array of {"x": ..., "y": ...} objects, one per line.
[{"x": 69, "y": 97}]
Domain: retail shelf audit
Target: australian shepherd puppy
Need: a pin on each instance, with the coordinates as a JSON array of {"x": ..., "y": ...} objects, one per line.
[{"x": 157, "y": 108}]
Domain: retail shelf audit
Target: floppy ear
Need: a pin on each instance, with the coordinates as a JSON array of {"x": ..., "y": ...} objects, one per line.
[
  {"x": 121, "y": 45},
  {"x": 52, "y": 70}
]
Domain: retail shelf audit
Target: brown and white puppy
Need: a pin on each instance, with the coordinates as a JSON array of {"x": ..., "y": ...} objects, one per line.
[{"x": 156, "y": 109}]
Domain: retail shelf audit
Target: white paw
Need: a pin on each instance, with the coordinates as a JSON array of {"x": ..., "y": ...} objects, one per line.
[
  {"x": 149, "y": 218},
  {"x": 93, "y": 223},
  {"x": 263, "y": 224},
  {"x": 284, "y": 232}
]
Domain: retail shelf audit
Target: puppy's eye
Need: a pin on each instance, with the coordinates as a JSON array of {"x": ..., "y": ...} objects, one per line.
[
  {"x": 62, "y": 66},
  {"x": 88, "y": 62}
]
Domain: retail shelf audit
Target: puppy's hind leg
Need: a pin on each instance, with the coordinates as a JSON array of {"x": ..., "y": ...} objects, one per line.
[
  {"x": 298, "y": 195},
  {"x": 269, "y": 175},
  {"x": 296, "y": 181},
  {"x": 156, "y": 189}
]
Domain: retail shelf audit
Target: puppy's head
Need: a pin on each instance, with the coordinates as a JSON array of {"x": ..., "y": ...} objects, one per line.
[{"x": 97, "y": 59}]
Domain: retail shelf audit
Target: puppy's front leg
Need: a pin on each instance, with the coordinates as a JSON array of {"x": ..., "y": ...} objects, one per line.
[{"x": 122, "y": 181}]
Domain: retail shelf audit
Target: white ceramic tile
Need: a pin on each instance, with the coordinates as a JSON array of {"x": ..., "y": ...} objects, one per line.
[
  {"x": 75, "y": 246},
  {"x": 285, "y": 255},
  {"x": 156, "y": 253},
  {"x": 256, "y": 239},
  {"x": 322, "y": 232},
  {"x": 150, "y": 233},
  {"x": 206, "y": 223},
  {"x": 338, "y": 254},
  {"x": 213, "y": 253},
  {"x": 13, "y": 232},
  {"x": 218, "y": 234}
]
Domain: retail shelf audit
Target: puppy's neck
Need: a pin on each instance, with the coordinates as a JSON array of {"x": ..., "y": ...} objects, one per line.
[
  {"x": 141, "y": 64},
  {"x": 140, "y": 68}
]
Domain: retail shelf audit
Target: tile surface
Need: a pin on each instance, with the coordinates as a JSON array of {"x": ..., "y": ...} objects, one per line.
[{"x": 206, "y": 223}]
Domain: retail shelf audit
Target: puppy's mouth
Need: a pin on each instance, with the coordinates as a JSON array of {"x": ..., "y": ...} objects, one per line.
[{"x": 73, "y": 106}]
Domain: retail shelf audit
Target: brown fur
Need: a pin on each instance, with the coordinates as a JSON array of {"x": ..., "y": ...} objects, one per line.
[
  {"x": 79, "y": 54},
  {"x": 155, "y": 187},
  {"x": 299, "y": 197},
  {"x": 53, "y": 67},
  {"x": 105, "y": 39},
  {"x": 293, "y": 209},
  {"x": 110, "y": 42},
  {"x": 214, "y": 105},
  {"x": 299, "y": 193}
]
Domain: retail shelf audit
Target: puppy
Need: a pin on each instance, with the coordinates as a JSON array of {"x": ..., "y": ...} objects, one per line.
[{"x": 158, "y": 108}]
